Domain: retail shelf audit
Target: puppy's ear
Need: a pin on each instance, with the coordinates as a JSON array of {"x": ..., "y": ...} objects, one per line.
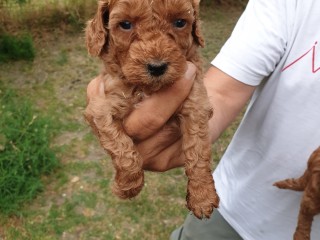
[
  {"x": 196, "y": 31},
  {"x": 96, "y": 31}
]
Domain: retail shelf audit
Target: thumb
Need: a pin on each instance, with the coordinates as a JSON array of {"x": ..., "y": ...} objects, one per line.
[
  {"x": 95, "y": 88},
  {"x": 191, "y": 71}
]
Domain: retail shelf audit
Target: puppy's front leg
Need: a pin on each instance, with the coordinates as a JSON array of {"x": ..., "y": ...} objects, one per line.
[
  {"x": 201, "y": 193},
  {"x": 129, "y": 178}
]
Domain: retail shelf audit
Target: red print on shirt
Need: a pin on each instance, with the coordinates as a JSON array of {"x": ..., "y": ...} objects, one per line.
[{"x": 313, "y": 51}]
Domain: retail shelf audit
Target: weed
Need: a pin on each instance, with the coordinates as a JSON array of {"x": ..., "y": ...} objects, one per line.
[
  {"x": 68, "y": 15},
  {"x": 13, "y": 1},
  {"x": 25, "y": 152},
  {"x": 16, "y": 48}
]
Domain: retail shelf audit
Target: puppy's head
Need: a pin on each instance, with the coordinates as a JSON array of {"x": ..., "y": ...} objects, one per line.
[{"x": 145, "y": 42}]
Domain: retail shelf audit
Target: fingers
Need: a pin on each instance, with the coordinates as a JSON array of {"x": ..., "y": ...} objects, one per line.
[
  {"x": 169, "y": 134},
  {"x": 162, "y": 151},
  {"x": 154, "y": 111},
  {"x": 95, "y": 89},
  {"x": 171, "y": 157}
]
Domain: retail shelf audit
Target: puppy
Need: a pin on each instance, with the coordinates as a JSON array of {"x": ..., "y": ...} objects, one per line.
[
  {"x": 309, "y": 182},
  {"x": 144, "y": 45}
]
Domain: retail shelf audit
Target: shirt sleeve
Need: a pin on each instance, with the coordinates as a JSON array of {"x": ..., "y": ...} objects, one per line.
[{"x": 256, "y": 44}]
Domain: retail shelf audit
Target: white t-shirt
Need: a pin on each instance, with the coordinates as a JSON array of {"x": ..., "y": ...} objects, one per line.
[{"x": 275, "y": 46}]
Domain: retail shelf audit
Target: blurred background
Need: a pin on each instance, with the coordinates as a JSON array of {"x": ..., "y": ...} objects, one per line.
[{"x": 54, "y": 177}]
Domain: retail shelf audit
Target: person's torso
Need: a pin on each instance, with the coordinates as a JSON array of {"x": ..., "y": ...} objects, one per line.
[{"x": 279, "y": 132}]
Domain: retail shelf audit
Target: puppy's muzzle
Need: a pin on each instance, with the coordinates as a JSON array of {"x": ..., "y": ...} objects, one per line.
[{"x": 157, "y": 69}]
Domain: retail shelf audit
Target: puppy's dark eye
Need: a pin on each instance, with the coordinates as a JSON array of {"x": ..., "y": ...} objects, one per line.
[
  {"x": 125, "y": 25},
  {"x": 179, "y": 23}
]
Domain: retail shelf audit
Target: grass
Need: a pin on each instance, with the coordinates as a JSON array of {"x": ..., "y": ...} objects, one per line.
[
  {"x": 49, "y": 15},
  {"x": 25, "y": 153},
  {"x": 76, "y": 201}
]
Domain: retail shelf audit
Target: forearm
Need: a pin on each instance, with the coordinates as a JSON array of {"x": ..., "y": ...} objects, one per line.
[{"x": 227, "y": 96}]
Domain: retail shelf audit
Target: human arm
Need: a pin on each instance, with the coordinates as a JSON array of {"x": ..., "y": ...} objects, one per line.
[{"x": 227, "y": 96}]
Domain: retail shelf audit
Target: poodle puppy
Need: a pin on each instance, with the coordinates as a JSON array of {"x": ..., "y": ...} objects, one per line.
[
  {"x": 309, "y": 182},
  {"x": 144, "y": 46}
]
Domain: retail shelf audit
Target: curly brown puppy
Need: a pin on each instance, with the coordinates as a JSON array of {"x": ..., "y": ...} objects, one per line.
[
  {"x": 309, "y": 182},
  {"x": 144, "y": 45}
]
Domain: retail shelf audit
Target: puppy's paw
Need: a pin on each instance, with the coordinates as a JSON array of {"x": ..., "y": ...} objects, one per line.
[
  {"x": 129, "y": 188},
  {"x": 202, "y": 199},
  {"x": 126, "y": 193}
]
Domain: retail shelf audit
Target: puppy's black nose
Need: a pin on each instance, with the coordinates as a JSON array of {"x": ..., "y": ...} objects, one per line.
[{"x": 157, "y": 70}]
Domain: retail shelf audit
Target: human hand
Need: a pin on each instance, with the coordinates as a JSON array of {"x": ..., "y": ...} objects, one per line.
[{"x": 157, "y": 138}]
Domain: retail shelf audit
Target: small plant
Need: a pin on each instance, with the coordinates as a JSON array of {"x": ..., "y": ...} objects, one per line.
[
  {"x": 16, "y": 48},
  {"x": 66, "y": 15},
  {"x": 25, "y": 154},
  {"x": 13, "y": 1}
]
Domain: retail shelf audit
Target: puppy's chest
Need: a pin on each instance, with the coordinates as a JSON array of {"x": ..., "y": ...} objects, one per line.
[
  {"x": 131, "y": 96},
  {"x": 121, "y": 98}
]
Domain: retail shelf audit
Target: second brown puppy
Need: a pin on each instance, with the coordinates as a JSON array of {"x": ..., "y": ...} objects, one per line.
[{"x": 309, "y": 182}]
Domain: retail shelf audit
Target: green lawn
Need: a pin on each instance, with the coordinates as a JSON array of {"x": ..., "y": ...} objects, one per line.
[{"x": 76, "y": 202}]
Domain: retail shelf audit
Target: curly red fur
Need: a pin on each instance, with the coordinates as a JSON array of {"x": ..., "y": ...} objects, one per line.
[
  {"x": 152, "y": 40},
  {"x": 309, "y": 182}
]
